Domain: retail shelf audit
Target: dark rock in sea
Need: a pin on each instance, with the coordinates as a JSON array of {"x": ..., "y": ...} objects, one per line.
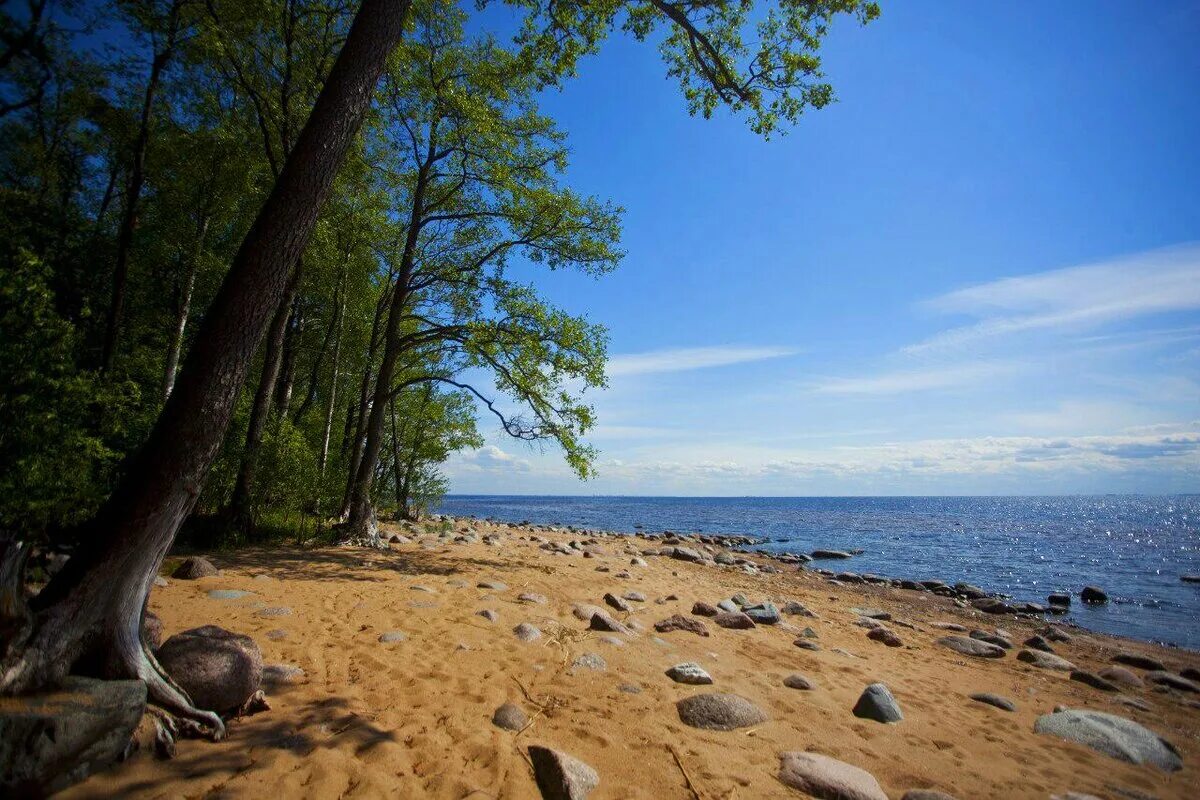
[
  {"x": 886, "y": 636},
  {"x": 220, "y": 670},
  {"x": 734, "y": 620},
  {"x": 719, "y": 712},
  {"x": 705, "y": 610},
  {"x": 1093, "y": 680},
  {"x": 1190, "y": 578},
  {"x": 689, "y": 673},
  {"x": 762, "y": 613},
  {"x": 1044, "y": 660},
  {"x": 678, "y": 622},
  {"x": 1093, "y": 595},
  {"x": 798, "y": 681},
  {"x": 996, "y": 700},
  {"x": 1060, "y": 600},
  {"x": 510, "y": 717},
  {"x": 1114, "y": 736},
  {"x": 1138, "y": 660},
  {"x": 877, "y": 703},
  {"x": 51, "y": 740},
  {"x": 971, "y": 647},
  {"x": 195, "y": 567},
  {"x": 992, "y": 638},
  {"x": 1038, "y": 643},
  {"x": 560, "y": 776},
  {"x": 827, "y": 778},
  {"x": 829, "y": 554}
]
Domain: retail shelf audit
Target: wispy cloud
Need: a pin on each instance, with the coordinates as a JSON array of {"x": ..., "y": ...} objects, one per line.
[
  {"x": 690, "y": 358},
  {"x": 916, "y": 380},
  {"x": 1080, "y": 297},
  {"x": 487, "y": 458}
]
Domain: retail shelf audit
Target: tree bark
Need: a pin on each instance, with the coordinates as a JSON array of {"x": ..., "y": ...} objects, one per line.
[
  {"x": 183, "y": 310},
  {"x": 93, "y": 606}
]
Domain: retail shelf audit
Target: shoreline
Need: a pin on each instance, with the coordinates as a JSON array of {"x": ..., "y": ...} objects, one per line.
[{"x": 413, "y": 717}]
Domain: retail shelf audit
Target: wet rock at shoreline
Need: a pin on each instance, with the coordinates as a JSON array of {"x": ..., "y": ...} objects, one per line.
[
  {"x": 1093, "y": 595},
  {"x": 829, "y": 554}
]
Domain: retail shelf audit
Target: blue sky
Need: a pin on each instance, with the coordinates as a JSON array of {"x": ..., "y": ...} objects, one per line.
[{"x": 977, "y": 273}]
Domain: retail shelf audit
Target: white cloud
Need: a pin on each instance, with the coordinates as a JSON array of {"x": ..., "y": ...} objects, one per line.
[
  {"x": 690, "y": 358},
  {"x": 491, "y": 457},
  {"x": 1080, "y": 297}
]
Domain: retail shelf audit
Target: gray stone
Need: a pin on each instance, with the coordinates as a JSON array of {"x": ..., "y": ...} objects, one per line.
[
  {"x": 277, "y": 635},
  {"x": 1038, "y": 643},
  {"x": 805, "y": 644},
  {"x": 1043, "y": 660},
  {"x": 877, "y": 703},
  {"x": 996, "y": 700},
  {"x": 228, "y": 594},
  {"x": 689, "y": 672},
  {"x": 735, "y": 620},
  {"x": 616, "y": 602},
  {"x": 798, "y": 681},
  {"x": 601, "y": 621},
  {"x": 1122, "y": 677},
  {"x": 161, "y": 582},
  {"x": 274, "y": 611},
  {"x": 1093, "y": 680},
  {"x": 992, "y": 638},
  {"x": 560, "y": 776},
  {"x": 195, "y": 567},
  {"x": 1138, "y": 660},
  {"x": 827, "y": 778},
  {"x": 719, "y": 712},
  {"x": 886, "y": 636},
  {"x": 220, "y": 670},
  {"x": 762, "y": 614},
  {"x": 590, "y": 661},
  {"x": 51, "y": 740},
  {"x": 532, "y": 597},
  {"x": 728, "y": 606},
  {"x": 387, "y": 637},
  {"x": 276, "y": 675},
  {"x": 971, "y": 647},
  {"x": 1114, "y": 736},
  {"x": 872, "y": 613},
  {"x": 1171, "y": 680},
  {"x": 636, "y": 597},
  {"x": 829, "y": 554},
  {"x": 585, "y": 611},
  {"x": 495, "y": 586},
  {"x": 526, "y": 632},
  {"x": 488, "y": 614},
  {"x": 678, "y": 622},
  {"x": 1093, "y": 595},
  {"x": 796, "y": 609},
  {"x": 510, "y": 717}
]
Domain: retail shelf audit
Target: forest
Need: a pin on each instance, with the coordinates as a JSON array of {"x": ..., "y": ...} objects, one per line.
[{"x": 256, "y": 270}]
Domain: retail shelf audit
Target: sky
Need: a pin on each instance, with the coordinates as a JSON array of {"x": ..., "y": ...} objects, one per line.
[{"x": 978, "y": 272}]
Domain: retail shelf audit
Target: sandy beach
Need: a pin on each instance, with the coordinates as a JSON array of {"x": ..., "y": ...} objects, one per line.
[{"x": 413, "y": 717}]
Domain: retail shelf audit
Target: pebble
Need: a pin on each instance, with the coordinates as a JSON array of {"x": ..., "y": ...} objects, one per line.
[
  {"x": 510, "y": 717},
  {"x": 636, "y": 597},
  {"x": 274, "y": 611},
  {"x": 388, "y": 637},
  {"x": 877, "y": 703},
  {"x": 926, "y": 794},
  {"x": 689, "y": 672},
  {"x": 227, "y": 594},
  {"x": 420, "y": 588},
  {"x": 274, "y": 675},
  {"x": 719, "y": 712},
  {"x": 526, "y": 632},
  {"x": 678, "y": 622},
  {"x": 821, "y": 776},
  {"x": 798, "y": 681},
  {"x": 886, "y": 636},
  {"x": 590, "y": 661},
  {"x": 488, "y": 614},
  {"x": 277, "y": 635},
  {"x": 996, "y": 700},
  {"x": 560, "y": 776}
]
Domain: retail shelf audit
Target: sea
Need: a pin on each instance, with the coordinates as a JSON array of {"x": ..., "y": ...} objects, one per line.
[{"x": 1135, "y": 547}]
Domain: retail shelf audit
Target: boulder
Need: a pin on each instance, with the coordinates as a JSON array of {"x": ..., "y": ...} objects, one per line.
[
  {"x": 1138, "y": 660},
  {"x": 1043, "y": 660},
  {"x": 195, "y": 567},
  {"x": 152, "y": 630},
  {"x": 561, "y": 776},
  {"x": 827, "y": 778},
  {"x": 1114, "y": 736},
  {"x": 1093, "y": 680},
  {"x": 735, "y": 620},
  {"x": 510, "y": 717},
  {"x": 678, "y": 622},
  {"x": 971, "y": 647},
  {"x": 1121, "y": 677},
  {"x": 1093, "y": 595},
  {"x": 877, "y": 703},
  {"x": 719, "y": 712},
  {"x": 219, "y": 669},
  {"x": 762, "y": 614},
  {"x": 689, "y": 672},
  {"x": 1002, "y": 703},
  {"x": 886, "y": 636},
  {"x": 701, "y": 609},
  {"x": 51, "y": 740}
]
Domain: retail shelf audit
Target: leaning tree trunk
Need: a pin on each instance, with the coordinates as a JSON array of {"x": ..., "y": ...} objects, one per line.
[
  {"x": 92, "y": 608},
  {"x": 183, "y": 308}
]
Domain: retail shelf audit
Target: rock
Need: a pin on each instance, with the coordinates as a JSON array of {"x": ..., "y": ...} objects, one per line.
[
  {"x": 495, "y": 586},
  {"x": 719, "y": 712},
  {"x": 1038, "y": 643},
  {"x": 806, "y": 644},
  {"x": 526, "y": 632},
  {"x": 616, "y": 602},
  {"x": 793, "y": 608},
  {"x": 510, "y": 717},
  {"x": 687, "y": 554},
  {"x": 1171, "y": 680},
  {"x": 220, "y": 670},
  {"x": 992, "y": 638},
  {"x": 560, "y": 776},
  {"x": 971, "y": 647},
  {"x": 762, "y": 614},
  {"x": 829, "y": 554},
  {"x": 1114, "y": 736},
  {"x": 734, "y": 620},
  {"x": 387, "y": 637},
  {"x": 274, "y": 611},
  {"x": 1054, "y": 634},
  {"x": 728, "y": 606},
  {"x": 827, "y": 778},
  {"x": 532, "y": 597},
  {"x": 1190, "y": 578},
  {"x": 705, "y": 610},
  {"x": 277, "y": 635},
  {"x": 228, "y": 594},
  {"x": 1191, "y": 673},
  {"x": 872, "y": 613},
  {"x": 1043, "y": 660},
  {"x": 1093, "y": 680},
  {"x": 798, "y": 681},
  {"x": 636, "y": 597},
  {"x": 950, "y": 626},
  {"x": 195, "y": 567},
  {"x": 994, "y": 700},
  {"x": 585, "y": 612},
  {"x": 1059, "y": 600},
  {"x": 152, "y": 630},
  {"x": 51, "y": 740},
  {"x": 488, "y": 614},
  {"x": 276, "y": 675},
  {"x": 991, "y": 605},
  {"x": 678, "y": 622},
  {"x": 1121, "y": 677},
  {"x": 926, "y": 794},
  {"x": 161, "y": 582},
  {"x": 601, "y": 621},
  {"x": 886, "y": 636},
  {"x": 1093, "y": 595},
  {"x": 689, "y": 672},
  {"x": 590, "y": 661},
  {"x": 1139, "y": 661},
  {"x": 877, "y": 703}
]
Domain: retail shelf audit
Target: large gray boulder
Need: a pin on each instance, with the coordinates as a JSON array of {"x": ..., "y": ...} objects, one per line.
[
  {"x": 1114, "y": 736},
  {"x": 561, "y": 776},
  {"x": 827, "y": 778},
  {"x": 52, "y": 740},
  {"x": 719, "y": 712},
  {"x": 220, "y": 670},
  {"x": 971, "y": 647}
]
